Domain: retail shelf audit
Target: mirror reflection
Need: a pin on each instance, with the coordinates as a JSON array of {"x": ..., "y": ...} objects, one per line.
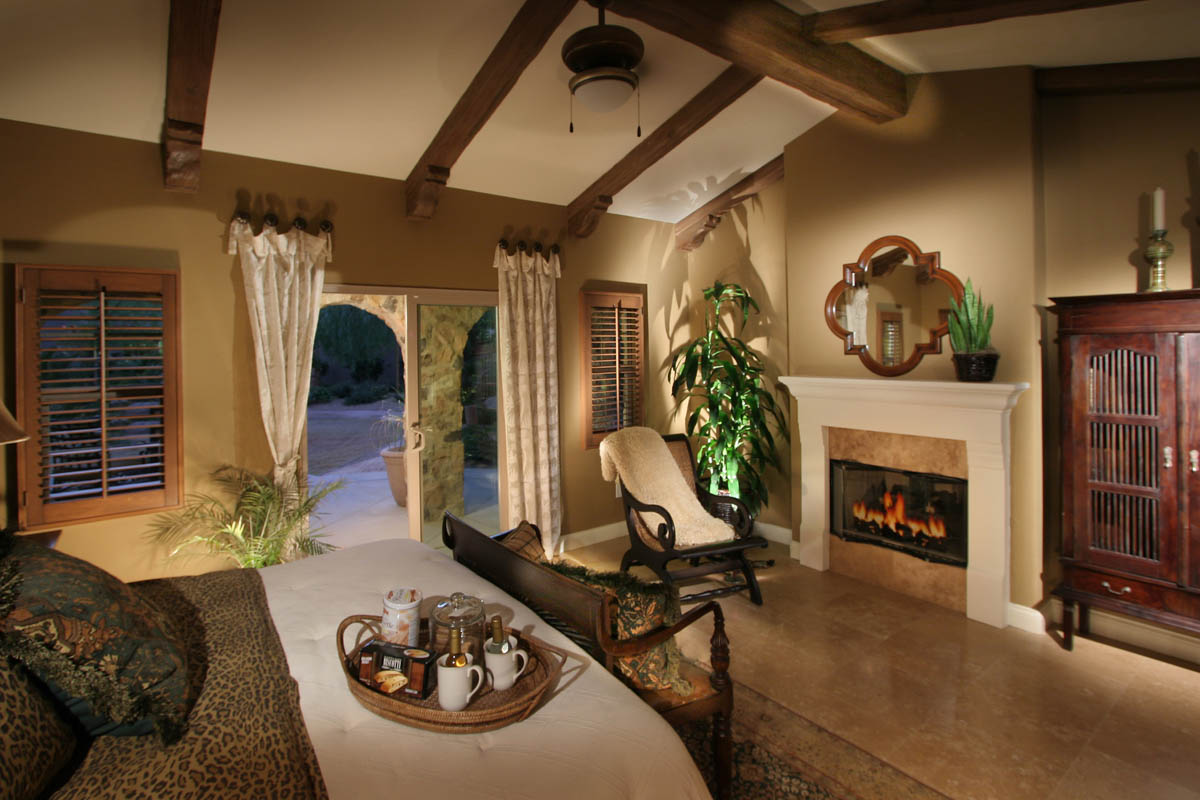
[
  {"x": 895, "y": 307},
  {"x": 891, "y": 305}
]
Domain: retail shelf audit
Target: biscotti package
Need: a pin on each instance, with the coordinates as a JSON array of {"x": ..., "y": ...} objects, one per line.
[{"x": 416, "y": 664}]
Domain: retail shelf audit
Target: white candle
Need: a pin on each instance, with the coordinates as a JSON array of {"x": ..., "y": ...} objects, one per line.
[{"x": 1160, "y": 210}]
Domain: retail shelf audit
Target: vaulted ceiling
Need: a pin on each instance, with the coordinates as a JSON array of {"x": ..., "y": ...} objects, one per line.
[{"x": 365, "y": 85}]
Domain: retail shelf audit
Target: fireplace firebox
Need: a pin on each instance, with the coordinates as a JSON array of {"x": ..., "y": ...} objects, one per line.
[{"x": 917, "y": 513}]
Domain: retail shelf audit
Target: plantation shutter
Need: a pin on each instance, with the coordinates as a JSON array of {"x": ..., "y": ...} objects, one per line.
[
  {"x": 98, "y": 392},
  {"x": 612, "y": 334}
]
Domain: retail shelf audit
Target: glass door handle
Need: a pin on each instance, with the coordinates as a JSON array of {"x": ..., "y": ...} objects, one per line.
[{"x": 415, "y": 437}]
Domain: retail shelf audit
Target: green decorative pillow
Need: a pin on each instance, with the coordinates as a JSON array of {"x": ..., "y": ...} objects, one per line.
[
  {"x": 641, "y": 607},
  {"x": 87, "y": 635},
  {"x": 525, "y": 541}
]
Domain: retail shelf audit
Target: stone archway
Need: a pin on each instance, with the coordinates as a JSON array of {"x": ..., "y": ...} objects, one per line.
[{"x": 391, "y": 308}]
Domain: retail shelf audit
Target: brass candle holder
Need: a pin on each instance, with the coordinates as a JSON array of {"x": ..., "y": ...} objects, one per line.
[{"x": 1156, "y": 254}]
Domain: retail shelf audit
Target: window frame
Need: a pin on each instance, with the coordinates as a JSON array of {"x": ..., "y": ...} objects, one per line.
[
  {"x": 589, "y": 299},
  {"x": 33, "y": 514}
]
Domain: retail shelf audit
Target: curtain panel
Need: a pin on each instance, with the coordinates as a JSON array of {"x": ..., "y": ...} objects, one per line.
[
  {"x": 283, "y": 275},
  {"x": 528, "y": 321}
]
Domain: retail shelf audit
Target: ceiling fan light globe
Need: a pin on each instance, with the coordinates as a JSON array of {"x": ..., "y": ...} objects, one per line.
[{"x": 603, "y": 89}]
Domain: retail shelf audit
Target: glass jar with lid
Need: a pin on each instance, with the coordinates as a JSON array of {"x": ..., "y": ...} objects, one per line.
[{"x": 465, "y": 613}]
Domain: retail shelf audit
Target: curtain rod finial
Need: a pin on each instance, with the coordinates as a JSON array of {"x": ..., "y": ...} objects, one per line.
[
  {"x": 300, "y": 222},
  {"x": 522, "y": 246},
  {"x": 504, "y": 244},
  {"x": 270, "y": 219},
  {"x": 326, "y": 226},
  {"x": 242, "y": 216},
  {"x": 554, "y": 249}
]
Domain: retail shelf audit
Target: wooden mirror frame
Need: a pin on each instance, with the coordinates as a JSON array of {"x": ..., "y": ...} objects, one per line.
[{"x": 928, "y": 269}]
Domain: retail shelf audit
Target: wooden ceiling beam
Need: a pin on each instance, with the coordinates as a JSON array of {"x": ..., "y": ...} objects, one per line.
[
  {"x": 584, "y": 212},
  {"x": 691, "y": 230},
  {"x": 1137, "y": 76},
  {"x": 908, "y": 16},
  {"x": 518, "y": 46},
  {"x": 191, "y": 43},
  {"x": 765, "y": 37}
]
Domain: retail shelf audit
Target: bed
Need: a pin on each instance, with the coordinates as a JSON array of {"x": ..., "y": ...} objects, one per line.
[{"x": 593, "y": 737}]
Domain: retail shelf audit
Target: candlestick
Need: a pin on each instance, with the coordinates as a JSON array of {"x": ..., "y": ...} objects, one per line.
[
  {"x": 1156, "y": 254},
  {"x": 1160, "y": 209}
]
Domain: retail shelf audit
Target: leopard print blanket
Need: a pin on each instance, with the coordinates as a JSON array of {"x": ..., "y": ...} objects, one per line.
[{"x": 245, "y": 735}]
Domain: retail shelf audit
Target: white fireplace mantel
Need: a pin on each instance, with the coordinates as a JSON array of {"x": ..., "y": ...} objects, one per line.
[{"x": 976, "y": 413}]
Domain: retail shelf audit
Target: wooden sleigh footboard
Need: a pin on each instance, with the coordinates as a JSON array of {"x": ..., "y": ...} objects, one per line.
[{"x": 584, "y": 615}]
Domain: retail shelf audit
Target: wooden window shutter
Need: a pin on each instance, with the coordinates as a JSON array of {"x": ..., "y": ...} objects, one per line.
[
  {"x": 612, "y": 333},
  {"x": 98, "y": 393}
]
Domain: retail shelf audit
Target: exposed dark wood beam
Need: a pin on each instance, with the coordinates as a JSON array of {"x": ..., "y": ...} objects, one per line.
[
  {"x": 584, "y": 212},
  {"x": 765, "y": 37},
  {"x": 520, "y": 44},
  {"x": 1136, "y": 76},
  {"x": 191, "y": 43},
  {"x": 691, "y": 230},
  {"x": 906, "y": 16}
]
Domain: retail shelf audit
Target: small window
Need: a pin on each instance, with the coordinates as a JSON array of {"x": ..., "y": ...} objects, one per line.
[
  {"x": 98, "y": 393},
  {"x": 612, "y": 340}
]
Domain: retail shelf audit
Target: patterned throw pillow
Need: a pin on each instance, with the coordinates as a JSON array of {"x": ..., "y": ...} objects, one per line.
[
  {"x": 85, "y": 633},
  {"x": 641, "y": 607},
  {"x": 525, "y": 541}
]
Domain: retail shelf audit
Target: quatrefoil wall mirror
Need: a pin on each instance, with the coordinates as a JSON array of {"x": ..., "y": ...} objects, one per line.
[{"x": 890, "y": 306}]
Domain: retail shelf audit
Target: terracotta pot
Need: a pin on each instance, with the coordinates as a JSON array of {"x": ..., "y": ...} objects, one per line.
[
  {"x": 975, "y": 367},
  {"x": 395, "y": 462}
]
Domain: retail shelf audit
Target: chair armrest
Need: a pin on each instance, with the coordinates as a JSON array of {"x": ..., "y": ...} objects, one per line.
[
  {"x": 730, "y": 509},
  {"x": 666, "y": 529},
  {"x": 719, "y": 643}
]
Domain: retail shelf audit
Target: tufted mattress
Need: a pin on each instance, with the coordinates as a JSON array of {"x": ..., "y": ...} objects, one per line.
[{"x": 592, "y": 739}]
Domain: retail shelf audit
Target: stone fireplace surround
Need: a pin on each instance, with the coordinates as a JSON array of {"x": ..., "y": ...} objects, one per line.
[{"x": 975, "y": 413}]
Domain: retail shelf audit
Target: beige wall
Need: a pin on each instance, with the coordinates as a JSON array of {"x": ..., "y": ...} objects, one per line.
[
  {"x": 956, "y": 175},
  {"x": 83, "y": 199},
  {"x": 746, "y": 248}
]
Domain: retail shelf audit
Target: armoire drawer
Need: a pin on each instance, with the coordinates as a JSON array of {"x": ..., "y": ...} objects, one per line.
[{"x": 1117, "y": 588}]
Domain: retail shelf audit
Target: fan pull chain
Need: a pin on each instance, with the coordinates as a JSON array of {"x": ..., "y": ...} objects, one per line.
[
  {"x": 571, "y": 129},
  {"x": 639, "y": 102}
]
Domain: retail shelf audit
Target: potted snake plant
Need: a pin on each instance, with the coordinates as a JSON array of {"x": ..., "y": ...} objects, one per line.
[{"x": 970, "y": 325}]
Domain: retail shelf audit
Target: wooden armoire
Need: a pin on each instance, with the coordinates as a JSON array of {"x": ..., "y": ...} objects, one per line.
[{"x": 1130, "y": 382}]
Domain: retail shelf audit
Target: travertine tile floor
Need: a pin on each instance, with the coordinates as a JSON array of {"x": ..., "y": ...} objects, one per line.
[{"x": 971, "y": 710}]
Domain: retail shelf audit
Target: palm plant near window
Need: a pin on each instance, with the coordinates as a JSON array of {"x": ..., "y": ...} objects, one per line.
[
  {"x": 733, "y": 411},
  {"x": 268, "y": 523}
]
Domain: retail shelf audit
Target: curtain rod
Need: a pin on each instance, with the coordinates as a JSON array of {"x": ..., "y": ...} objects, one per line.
[
  {"x": 273, "y": 221},
  {"x": 537, "y": 246}
]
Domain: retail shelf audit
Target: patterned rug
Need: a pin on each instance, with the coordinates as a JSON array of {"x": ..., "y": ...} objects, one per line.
[{"x": 779, "y": 755}]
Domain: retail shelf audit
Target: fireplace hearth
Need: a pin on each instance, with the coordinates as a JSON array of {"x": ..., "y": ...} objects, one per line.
[{"x": 922, "y": 514}]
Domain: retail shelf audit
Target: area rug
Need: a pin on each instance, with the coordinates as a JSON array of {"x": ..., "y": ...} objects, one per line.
[{"x": 779, "y": 754}]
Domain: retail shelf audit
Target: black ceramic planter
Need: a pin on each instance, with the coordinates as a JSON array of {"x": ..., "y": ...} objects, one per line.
[{"x": 975, "y": 367}]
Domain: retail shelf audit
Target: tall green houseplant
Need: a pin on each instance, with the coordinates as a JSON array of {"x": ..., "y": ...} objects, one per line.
[{"x": 733, "y": 410}]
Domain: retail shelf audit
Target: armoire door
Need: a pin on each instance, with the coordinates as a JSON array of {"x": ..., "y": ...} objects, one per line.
[
  {"x": 1189, "y": 446},
  {"x": 1124, "y": 452}
]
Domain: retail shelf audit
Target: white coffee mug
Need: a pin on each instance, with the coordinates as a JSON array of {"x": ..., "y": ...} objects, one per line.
[
  {"x": 455, "y": 687},
  {"x": 503, "y": 667}
]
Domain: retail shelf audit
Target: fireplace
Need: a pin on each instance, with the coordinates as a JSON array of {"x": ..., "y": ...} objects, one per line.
[{"x": 922, "y": 514}]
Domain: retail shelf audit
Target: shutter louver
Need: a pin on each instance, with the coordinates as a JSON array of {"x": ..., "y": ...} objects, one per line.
[
  {"x": 100, "y": 382},
  {"x": 612, "y": 340}
]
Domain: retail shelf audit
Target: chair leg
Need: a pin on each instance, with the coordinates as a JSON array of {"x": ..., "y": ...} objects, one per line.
[
  {"x": 723, "y": 754},
  {"x": 751, "y": 579},
  {"x": 627, "y": 560}
]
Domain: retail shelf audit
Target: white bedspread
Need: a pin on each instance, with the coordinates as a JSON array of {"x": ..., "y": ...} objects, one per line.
[{"x": 593, "y": 739}]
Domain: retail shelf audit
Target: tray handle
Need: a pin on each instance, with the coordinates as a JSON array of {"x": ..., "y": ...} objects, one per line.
[{"x": 369, "y": 621}]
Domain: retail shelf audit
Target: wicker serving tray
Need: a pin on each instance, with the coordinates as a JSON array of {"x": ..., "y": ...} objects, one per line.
[{"x": 488, "y": 709}]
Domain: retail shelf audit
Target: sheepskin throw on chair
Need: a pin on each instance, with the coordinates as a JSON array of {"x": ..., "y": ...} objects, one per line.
[{"x": 640, "y": 457}]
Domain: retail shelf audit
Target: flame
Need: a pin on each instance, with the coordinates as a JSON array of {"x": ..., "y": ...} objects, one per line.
[{"x": 894, "y": 516}]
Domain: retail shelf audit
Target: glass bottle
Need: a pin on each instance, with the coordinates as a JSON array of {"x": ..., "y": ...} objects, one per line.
[
  {"x": 498, "y": 644},
  {"x": 455, "y": 656}
]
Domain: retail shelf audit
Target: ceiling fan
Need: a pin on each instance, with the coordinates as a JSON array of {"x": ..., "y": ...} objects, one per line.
[{"x": 602, "y": 58}]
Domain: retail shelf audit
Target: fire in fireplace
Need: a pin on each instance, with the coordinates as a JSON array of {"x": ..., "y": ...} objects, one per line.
[{"x": 915, "y": 512}]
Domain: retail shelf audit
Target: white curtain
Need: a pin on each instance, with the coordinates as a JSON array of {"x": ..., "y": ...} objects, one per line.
[
  {"x": 284, "y": 275},
  {"x": 529, "y": 382}
]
